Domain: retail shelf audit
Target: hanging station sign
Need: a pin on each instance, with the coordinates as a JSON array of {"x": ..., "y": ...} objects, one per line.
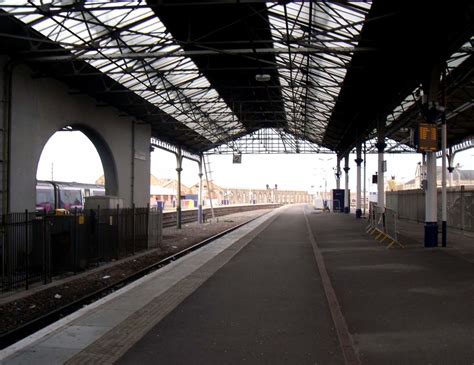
[
  {"x": 237, "y": 158},
  {"x": 427, "y": 137}
]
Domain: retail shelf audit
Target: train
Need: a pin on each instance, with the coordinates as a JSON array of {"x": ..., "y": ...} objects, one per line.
[{"x": 57, "y": 196}]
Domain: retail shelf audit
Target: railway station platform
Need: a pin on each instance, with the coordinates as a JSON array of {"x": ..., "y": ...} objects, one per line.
[{"x": 295, "y": 286}]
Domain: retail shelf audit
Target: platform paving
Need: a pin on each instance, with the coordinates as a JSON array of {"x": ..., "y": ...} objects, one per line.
[
  {"x": 402, "y": 306},
  {"x": 296, "y": 287},
  {"x": 267, "y": 305}
]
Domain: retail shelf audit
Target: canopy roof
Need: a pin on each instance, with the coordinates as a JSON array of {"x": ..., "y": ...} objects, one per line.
[{"x": 296, "y": 75}]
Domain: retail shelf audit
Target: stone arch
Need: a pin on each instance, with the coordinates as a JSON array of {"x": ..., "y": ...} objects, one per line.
[
  {"x": 106, "y": 157},
  {"x": 105, "y": 154},
  {"x": 41, "y": 107}
]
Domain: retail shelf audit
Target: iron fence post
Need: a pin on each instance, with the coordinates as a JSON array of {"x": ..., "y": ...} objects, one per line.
[
  {"x": 74, "y": 240},
  {"x": 43, "y": 239},
  {"x": 395, "y": 224},
  {"x": 3, "y": 250},
  {"x": 462, "y": 208},
  {"x": 133, "y": 229},
  {"x": 27, "y": 259},
  {"x": 98, "y": 233},
  {"x": 160, "y": 226},
  {"x": 147, "y": 223},
  {"x": 117, "y": 241}
]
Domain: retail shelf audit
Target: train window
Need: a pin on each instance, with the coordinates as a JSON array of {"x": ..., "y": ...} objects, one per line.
[
  {"x": 70, "y": 199},
  {"x": 97, "y": 192},
  {"x": 87, "y": 192}
]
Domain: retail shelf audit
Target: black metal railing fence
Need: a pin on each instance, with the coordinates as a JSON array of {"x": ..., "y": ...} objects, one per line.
[
  {"x": 24, "y": 250},
  {"x": 34, "y": 249}
]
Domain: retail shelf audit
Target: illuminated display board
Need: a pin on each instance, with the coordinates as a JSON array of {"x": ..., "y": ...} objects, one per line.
[{"x": 427, "y": 138}]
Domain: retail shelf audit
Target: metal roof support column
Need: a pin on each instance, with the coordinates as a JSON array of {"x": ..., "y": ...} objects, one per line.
[
  {"x": 132, "y": 178},
  {"x": 347, "y": 198},
  {"x": 380, "y": 174},
  {"x": 450, "y": 166},
  {"x": 444, "y": 197},
  {"x": 431, "y": 203},
  {"x": 179, "y": 168},
  {"x": 338, "y": 173},
  {"x": 358, "y": 161},
  {"x": 430, "y": 87},
  {"x": 365, "y": 178},
  {"x": 444, "y": 138},
  {"x": 200, "y": 216}
]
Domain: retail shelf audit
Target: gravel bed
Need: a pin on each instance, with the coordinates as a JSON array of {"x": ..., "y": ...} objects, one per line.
[{"x": 22, "y": 307}]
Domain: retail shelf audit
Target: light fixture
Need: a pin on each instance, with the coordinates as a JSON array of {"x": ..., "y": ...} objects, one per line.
[{"x": 262, "y": 77}]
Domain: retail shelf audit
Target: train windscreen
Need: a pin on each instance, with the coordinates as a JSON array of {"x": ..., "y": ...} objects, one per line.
[
  {"x": 70, "y": 199},
  {"x": 44, "y": 199}
]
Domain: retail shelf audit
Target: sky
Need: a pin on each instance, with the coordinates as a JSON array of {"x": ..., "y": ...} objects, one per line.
[{"x": 70, "y": 156}]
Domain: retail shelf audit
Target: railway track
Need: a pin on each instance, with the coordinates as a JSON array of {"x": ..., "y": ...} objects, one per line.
[
  {"x": 189, "y": 216},
  {"x": 28, "y": 328}
]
